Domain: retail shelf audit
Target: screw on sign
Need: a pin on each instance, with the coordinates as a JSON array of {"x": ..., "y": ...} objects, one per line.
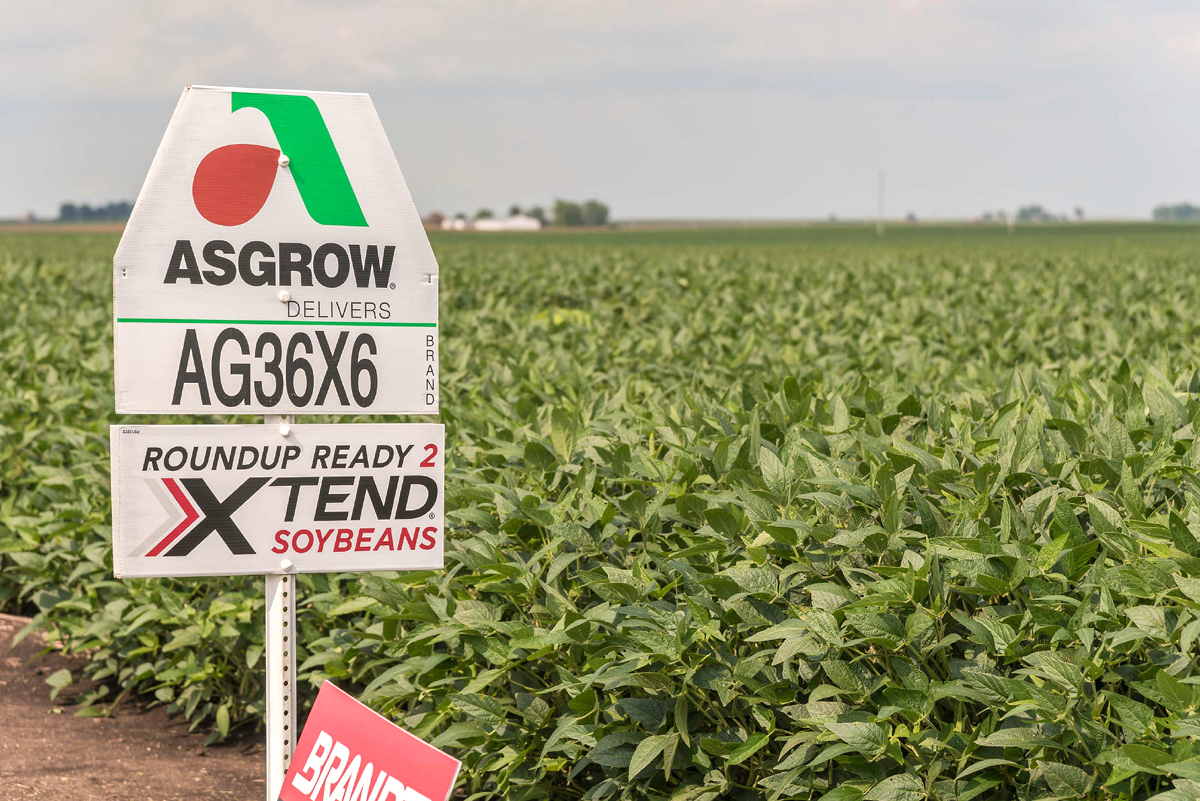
[{"x": 349, "y": 753}]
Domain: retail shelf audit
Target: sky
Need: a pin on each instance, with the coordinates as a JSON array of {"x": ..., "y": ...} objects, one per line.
[{"x": 744, "y": 109}]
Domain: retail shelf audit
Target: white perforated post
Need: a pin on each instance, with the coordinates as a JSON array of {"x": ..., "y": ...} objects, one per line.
[{"x": 281, "y": 661}]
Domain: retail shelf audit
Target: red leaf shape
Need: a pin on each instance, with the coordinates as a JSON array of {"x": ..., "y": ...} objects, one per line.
[{"x": 232, "y": 183}]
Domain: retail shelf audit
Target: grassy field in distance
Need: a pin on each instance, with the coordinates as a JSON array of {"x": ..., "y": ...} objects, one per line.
[
  {"x": 837, "y": 235},
  {"x": 897, "y": 234}
]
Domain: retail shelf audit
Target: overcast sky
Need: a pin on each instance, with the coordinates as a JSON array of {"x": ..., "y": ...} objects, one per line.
[{"x": 687, "y": 108}]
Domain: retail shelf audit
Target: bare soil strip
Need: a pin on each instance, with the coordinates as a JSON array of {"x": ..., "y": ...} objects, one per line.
[{"x": 48, "y": 753}]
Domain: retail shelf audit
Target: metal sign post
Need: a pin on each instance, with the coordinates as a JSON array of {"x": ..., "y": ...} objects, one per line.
[
  {"x": 281, "y": 676},
  {"x": 279, "y": 641}
]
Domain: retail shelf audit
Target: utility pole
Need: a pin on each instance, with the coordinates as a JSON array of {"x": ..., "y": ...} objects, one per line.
[{"x": 879, "y": 215}]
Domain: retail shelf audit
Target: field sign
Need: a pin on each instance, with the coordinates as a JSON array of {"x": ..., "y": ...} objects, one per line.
[
  {"x": 347, "y": 751},
  {"x": 275, "y": 263},
  {"x": 231, "y": 500}
]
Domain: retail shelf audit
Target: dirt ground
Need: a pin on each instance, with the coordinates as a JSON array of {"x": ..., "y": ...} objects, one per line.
[{"x": 48, "y": 753}]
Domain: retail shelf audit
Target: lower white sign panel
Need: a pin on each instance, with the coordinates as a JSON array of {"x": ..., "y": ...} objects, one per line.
[{"x": 231, "y": 500}]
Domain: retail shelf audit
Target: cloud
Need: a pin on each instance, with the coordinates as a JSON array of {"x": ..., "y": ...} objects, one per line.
[
  {"x": 154, "y": 47},
  {"x": 666, "y": 108}
]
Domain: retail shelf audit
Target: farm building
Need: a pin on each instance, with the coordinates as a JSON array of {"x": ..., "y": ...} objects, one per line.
[{"x": 518, "y": 222}]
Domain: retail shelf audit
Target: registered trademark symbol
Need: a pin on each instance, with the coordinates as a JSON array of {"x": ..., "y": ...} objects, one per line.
[
  {"x": 391, "y": 286},
  {"x": 431, "y": 515}
]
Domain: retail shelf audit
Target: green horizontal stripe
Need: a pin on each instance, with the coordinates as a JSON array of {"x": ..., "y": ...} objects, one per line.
[{"x": 272, "y": 322}]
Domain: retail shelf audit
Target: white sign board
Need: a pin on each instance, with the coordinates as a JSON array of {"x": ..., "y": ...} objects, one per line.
[
  {"x": 233, "y": 500},
  {"x": 275, "y": 263}
]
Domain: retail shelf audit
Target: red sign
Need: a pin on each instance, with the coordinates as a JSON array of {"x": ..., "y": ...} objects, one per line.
[{"x": 349, "y": 753}]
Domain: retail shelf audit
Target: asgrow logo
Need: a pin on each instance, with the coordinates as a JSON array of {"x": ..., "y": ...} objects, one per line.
[{"x": 234, "y": 181}]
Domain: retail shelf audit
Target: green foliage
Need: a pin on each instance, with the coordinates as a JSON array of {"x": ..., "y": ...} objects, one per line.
[
  {"x": 568, "y": 213},
  {"x": 841, "y": 523},
  {"x": 595, "y": 213},
  {"x": 1179, "y": 212}
]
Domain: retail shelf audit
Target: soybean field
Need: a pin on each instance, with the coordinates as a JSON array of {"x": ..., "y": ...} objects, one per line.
[{"x": 750, "y": 513}]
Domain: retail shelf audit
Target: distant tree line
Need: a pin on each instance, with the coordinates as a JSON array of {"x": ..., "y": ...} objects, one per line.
[
  {"x": 564, "y": 213},
  {"x": 536, "y": 212},
  {"x": 1037, "y": 214},
  {"x": 590, "y": 212},
  {"x": 1180, "y": 212},
  {"x": 1033, "y": 213},
  {"x": 113, "y": 212}
]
